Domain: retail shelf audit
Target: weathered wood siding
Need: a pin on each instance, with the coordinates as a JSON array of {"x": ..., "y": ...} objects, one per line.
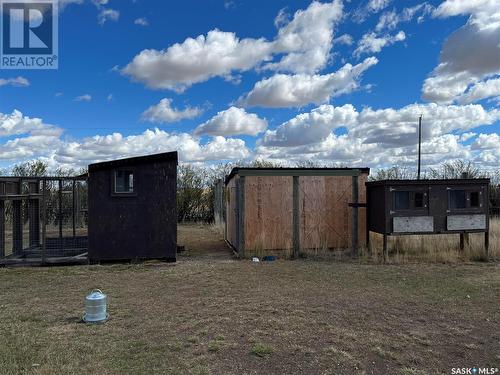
[
  {"x": 231, "y": 219},
  {"x": 268, "y": 212}
]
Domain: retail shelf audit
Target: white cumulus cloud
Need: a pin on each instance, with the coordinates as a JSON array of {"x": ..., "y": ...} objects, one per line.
[
  {"x": 232, "y": 121},
  {"x": 470, "y": 55},
  {"x": 197, "y": 60},
  {"x": 373, "y": 43},
  {"x": 163, "y": 112},
  {"x": 381, "y": 136},
  {"x": 391, "y": 19},
  {"x": 481, "y": 90},
  {"x": 31, "y": 138},
  {"x": 303, "y": 46},
  {"x": 301, "y": 89},
  {"x": 107, "y": 15}
]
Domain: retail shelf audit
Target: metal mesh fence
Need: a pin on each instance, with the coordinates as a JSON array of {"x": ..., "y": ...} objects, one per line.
[{"x": 43, "y": 218}]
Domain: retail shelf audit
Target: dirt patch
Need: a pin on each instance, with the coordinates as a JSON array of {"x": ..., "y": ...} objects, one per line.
[
  {"x": 202, "y": 242},
  {"x": 211, "y": 314}
]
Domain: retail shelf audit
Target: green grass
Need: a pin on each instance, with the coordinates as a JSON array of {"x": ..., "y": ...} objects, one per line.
[{"x": 261, "y": 350}]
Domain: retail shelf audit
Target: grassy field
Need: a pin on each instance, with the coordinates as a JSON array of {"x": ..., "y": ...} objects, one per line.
[{"x": 211, "y": 314}]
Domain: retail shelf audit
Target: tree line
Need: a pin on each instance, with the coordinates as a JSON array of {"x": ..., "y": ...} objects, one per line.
[{"x": 196, "y": 193}]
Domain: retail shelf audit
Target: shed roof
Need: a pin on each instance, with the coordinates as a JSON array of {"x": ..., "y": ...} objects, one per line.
[
  {"x": 163, "y": 157},
  {"x": 447, "y": 181},
  {"x": 255, "y": 171}
]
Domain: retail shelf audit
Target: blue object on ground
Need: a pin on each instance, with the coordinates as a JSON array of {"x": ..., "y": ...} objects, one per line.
[{"x": 269, "y": 258}]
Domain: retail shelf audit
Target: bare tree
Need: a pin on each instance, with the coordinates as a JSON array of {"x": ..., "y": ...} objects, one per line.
[
  {"x": 35, "y": 168},
  {"x": 394, "y": 173},
  {"x": 456, "y": 169}
]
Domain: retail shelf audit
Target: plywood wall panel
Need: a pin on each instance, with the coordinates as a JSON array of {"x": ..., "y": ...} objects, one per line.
[
  {"x": 268, "y": 213},
  {"x": 325, "y": 215}
]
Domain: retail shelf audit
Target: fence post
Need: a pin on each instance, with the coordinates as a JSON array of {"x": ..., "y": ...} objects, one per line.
[
  {"x": 34, "y": 215},
  {"x": 44, "y": 219},
  {"x": 17, "y": 222},
  {"x": 59, "y": 195}
]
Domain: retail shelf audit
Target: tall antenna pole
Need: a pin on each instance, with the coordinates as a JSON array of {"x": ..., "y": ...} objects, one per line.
[{"x": 419, "y": 144}]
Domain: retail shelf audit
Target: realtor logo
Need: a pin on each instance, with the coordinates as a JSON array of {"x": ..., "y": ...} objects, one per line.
[{"x": 29, "y": 31}]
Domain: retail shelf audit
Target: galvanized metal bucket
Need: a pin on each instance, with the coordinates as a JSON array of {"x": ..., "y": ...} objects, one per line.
[{"x": 96, "y": 307}]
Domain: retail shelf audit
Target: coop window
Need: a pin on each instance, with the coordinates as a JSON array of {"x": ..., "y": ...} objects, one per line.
[
  {"x": 457, "y": 199},
  {"x": 419, "y": 200},
  {"x": 474, "y": 199},
  {"x": 402, "y": 200},
  {"x": 124, "y": 181}
]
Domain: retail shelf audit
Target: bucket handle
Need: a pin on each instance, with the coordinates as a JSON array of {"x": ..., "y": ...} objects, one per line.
[{"x": 96, "y": 290}]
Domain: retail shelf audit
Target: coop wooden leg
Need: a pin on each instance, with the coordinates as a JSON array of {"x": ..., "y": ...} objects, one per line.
[{"x": 462, "y": 242}]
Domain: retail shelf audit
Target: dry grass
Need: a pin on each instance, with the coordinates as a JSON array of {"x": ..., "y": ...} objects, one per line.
[
  {"x": 211, "y": 314},
  {"x": 444, "y": 248}
]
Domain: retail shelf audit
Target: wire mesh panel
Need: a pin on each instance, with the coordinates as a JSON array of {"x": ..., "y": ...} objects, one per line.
[
  {"x": 42, "y": 218},
  {"x": 65, "y": 224}
]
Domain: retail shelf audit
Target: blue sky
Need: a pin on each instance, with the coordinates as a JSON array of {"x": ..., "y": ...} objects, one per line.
[{"x": 331, "y": 82}]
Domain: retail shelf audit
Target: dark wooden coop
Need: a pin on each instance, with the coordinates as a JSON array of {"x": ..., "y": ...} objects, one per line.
[
  {"x": 406, "y": 207},
  {"x": 287, "y": 211},
  {"x": 43, "y": 220},
  {"x": 133, "y": 208}
]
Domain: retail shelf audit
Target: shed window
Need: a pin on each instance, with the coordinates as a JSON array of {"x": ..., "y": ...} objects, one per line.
[
  {"x": 474, "y": 199},
  {"x": 124, "y": 181},
  {"x": 401, "y": 200},
  {"x": 457, "y": 199},
  {"x": 419, "y": 200}
]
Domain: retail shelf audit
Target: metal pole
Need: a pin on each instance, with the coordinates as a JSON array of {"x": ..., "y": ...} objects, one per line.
[{"x": 419, "y": 145}]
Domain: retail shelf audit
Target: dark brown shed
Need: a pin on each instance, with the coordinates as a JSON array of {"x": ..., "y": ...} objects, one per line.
[
  {"x": 403, "y": 207},
  {"x": 132, "y": 208}
]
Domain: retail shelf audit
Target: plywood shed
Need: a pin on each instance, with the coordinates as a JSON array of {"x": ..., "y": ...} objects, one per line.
[
  {"x": 284, "y": 211},
  {"x": 132, "y": 208},
  {"x": 405, "y": 207}
]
